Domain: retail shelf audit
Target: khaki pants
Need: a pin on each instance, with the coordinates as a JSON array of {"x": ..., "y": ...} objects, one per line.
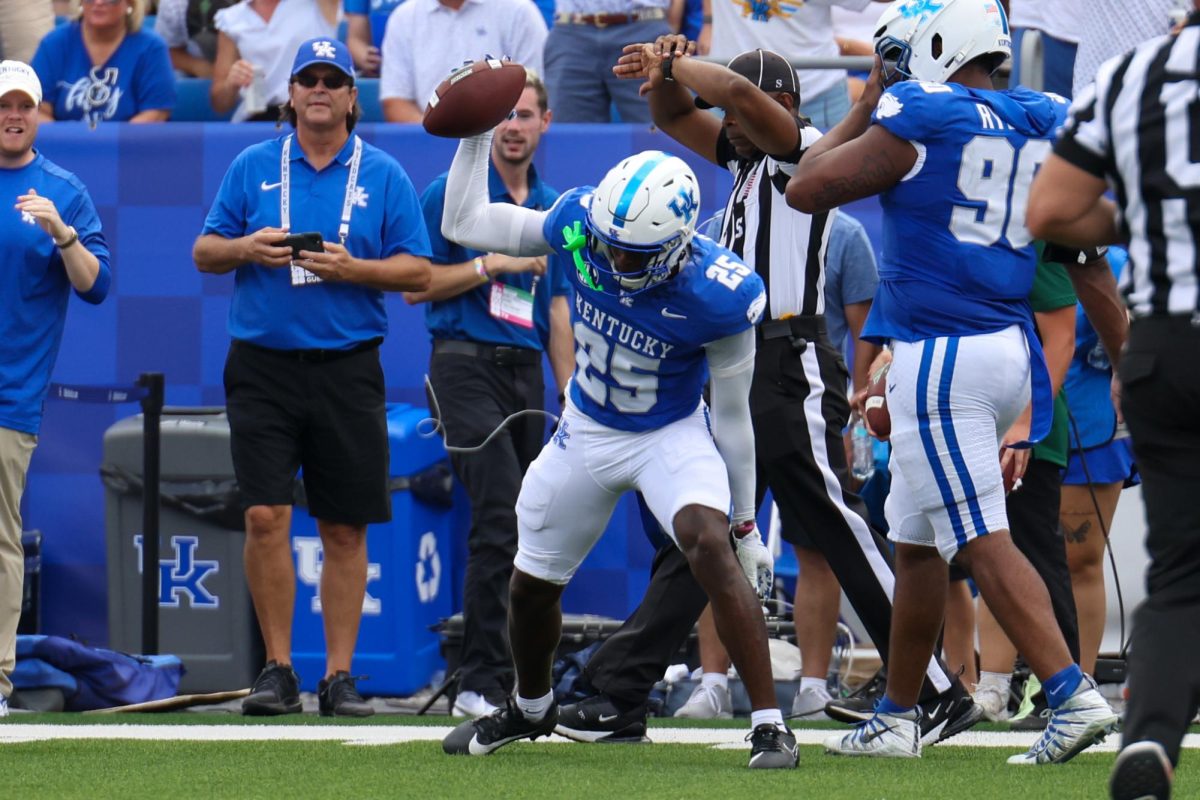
[
  {"x": 23, "y": 23},
  {"x": 16, "y": 449}
]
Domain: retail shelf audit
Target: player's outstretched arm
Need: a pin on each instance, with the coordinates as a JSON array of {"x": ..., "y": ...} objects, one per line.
[
  {"x": 731, "y": 365},
  {"x": 473, "y": 221}
]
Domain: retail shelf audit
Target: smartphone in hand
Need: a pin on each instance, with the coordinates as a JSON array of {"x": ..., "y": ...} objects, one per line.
[{"x": 311, "y": 241}]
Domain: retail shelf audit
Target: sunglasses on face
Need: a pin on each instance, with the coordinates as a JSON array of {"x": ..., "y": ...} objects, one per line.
[{"x": 334, "y": 80}]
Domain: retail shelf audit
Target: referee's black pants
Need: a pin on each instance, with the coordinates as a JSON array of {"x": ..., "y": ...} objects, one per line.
[
  {"x": 1160, "y": 400},
  {"x": 799, "y": 408},
  {"x": 475, "y": 394}
]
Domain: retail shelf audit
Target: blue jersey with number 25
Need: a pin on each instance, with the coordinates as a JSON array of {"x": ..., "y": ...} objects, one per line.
[
  {"x": 957, "y": 258},
  {"x": 640, "y": 361}
]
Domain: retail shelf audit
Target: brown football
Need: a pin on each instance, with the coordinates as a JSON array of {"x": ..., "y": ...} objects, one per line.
[
  {"x": 474, "y": 99},
  {"x": 875, "y": 406}
]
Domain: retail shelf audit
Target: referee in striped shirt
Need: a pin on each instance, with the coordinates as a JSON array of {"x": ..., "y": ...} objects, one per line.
[{"x": 1135, "y": 131}]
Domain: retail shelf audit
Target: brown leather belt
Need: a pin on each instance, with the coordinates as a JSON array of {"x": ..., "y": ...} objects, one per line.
[{"x": 605, "y": 20}]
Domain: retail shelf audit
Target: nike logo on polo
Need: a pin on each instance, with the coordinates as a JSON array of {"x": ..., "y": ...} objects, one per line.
[
  {"x": 606, "y": 718},
  {"x": 672, "y": 315},
  {"x": 892, "y": 388},
  {"x": 266, "y": 187}
]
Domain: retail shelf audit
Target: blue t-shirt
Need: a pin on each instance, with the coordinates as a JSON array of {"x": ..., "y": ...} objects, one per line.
[
  {"x": 470, "y": 315},
  {"x": 377, "y": 10},
  {"x": 386, "y": 220},
  {"x": 640, "y": 358},
  {"x": 34, "y": 287},
  {"x": 850, "y": 275},
  {"x": 137, "y": 77},
  {"x": 957, "y": 258}
]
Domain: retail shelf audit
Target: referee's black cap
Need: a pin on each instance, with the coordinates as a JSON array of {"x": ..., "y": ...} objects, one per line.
[{"x": 768, "y": 71}]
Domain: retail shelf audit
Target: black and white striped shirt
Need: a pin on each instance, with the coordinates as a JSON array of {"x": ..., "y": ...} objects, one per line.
[
  {"x": 784, "y": 246},
  {"x": 1138, "y": 126}
]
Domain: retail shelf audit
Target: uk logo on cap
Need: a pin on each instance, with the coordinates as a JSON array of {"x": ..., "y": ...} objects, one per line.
[{"x": 323, "y": 51}]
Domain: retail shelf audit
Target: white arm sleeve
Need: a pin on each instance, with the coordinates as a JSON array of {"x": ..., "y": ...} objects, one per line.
[
  {"x": 472, "y": 220},
  {"x": 731, "y": 365}
]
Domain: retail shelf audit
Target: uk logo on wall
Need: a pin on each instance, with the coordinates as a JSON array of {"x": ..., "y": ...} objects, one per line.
[
  {"x": 184, "y": 575},
  {"x": 309, "y": 559}
]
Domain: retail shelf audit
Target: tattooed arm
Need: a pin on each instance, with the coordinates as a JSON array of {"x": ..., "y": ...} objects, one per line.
[{"x": 855, "y": 159}]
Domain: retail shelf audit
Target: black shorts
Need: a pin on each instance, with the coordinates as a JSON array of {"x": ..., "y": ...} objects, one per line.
[{"x": 326, "y": 415}]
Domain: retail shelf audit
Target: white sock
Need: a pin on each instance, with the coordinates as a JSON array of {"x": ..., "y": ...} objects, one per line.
[
  {"x": 535, "y": 709},
  {"x": 817, "y": 684},
  {"x": 766, "y": 716},
  {"x": 711, "y": 679},
  {"x": 1000, "y": 680}
]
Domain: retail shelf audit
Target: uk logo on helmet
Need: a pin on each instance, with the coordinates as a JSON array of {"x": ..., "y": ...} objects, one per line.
[{"x": 684, "y": 204}]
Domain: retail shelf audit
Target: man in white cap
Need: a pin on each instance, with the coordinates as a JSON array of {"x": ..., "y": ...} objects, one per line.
[{"x": 52, "y": 244}]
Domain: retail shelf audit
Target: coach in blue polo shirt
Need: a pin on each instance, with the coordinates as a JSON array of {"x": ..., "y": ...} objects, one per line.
[
  {"x": 303, "y": 382},
  {"x": 490, "y": 317}
]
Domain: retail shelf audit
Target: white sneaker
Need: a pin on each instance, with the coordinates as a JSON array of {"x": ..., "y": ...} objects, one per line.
[
  {"x": 993, "y": 700},
  {"x": 1084, "y": 719},
  {"x": 882, "y": 736},
  {"x": 471, "y": 704},
  {"x": 809, "y": 704},
  {"x": 707, "y": 702}
]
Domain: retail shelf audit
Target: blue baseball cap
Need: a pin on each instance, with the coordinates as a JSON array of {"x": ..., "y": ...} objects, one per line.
[{"x": 323, "y": 50}]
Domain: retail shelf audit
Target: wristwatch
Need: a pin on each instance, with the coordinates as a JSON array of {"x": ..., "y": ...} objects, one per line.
[
  {"x": 667, "y": 62},
  {"x": 72, "y": 239}
]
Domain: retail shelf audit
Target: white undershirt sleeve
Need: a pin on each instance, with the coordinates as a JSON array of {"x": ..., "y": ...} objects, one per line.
[
  {"x": 731, "y": 365},
  {"x": 472, "y": 220}
]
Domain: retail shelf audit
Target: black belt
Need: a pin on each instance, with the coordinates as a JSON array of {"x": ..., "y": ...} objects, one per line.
[
  {"x": 315, "y": 356},
  {"x": 499, "y": 354},
  {"x": 606, "y": 20},
  {"x": 812, "y": 327}
]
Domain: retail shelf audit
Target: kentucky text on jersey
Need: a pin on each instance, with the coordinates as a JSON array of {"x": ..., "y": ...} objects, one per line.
[{"x": 621, "y": 331}]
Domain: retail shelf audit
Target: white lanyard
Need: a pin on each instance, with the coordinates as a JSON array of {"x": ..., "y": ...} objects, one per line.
[{"x": 285, "y": 185}]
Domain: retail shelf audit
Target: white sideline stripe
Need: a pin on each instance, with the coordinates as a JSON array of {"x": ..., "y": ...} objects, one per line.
[{"x": 731, "y": 738}]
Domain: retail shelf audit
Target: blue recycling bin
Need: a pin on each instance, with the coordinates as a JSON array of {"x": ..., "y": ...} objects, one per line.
[{"x": 408, "y": 577}]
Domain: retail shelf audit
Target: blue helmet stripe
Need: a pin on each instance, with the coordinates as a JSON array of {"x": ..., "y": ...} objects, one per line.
[
  {"x": 632, "y": 187},
  {"x": 1003, "y": 17}
]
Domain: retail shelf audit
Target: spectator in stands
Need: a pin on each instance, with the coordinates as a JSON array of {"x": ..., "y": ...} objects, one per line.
[
  {"x": 587, "y": 38},
  {"x": 255, "y": 45},
  {"x": 805, "y": 31},
  {"x": 190, "y": 33},
  {"x": 303, "y": 382},
  {"x": 23, "y": 23},
  {"x": 366, "y": 21},
  {"x": 491, "y": 317},
  {"x": 52, "y": 245},
  {"x": 104, "y": 67},
  {"x": 427, "y": 39},
  {"x": 1056, "y": 23}
]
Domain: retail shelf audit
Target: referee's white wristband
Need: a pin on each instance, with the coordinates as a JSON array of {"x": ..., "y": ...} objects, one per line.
[{"x": 481, "y": 270}]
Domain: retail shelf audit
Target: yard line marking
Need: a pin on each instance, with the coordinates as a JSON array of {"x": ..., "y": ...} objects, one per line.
[{"x": 374, "y": 735}]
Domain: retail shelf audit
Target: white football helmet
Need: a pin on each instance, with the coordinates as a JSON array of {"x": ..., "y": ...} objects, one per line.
[
  {"x": 646, "y": 206},
  {"x": 930, "y": 40}
]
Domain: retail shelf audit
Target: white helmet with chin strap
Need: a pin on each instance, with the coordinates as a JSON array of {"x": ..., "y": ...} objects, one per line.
[
  {"x": 930, "y": 40},
  {"x": 647, "y": 206}
]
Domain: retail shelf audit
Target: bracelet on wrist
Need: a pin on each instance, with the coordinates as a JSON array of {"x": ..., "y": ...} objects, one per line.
[
  {"x": 743, "y": 528},
  {"x": 72, "y": 239},
  {"x": 667, "y": 64},
  {"x": 481, "y": 270}
]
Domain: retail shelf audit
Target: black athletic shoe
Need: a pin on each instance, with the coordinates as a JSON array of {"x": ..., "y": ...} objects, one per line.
[
  {"x": 597, "y": 719},
  {"x": 1142, "y": 772},
  {"x": 338, "y": 697},
  {"x": 479, "y": 737},
  {"x": 947, "y": 715},
  {"x": 859, "y": 705},
  {"x": 276, "y": 691},
  {"x": 773, "y": 747}
]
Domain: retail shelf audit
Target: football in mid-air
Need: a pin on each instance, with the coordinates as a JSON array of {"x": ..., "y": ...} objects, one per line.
[
  {"x": 475, "y": 98},
  {"x": 875, "y": 408}
]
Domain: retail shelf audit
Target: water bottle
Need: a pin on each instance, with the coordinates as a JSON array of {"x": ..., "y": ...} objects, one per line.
[{"x": 862, "y": 449}]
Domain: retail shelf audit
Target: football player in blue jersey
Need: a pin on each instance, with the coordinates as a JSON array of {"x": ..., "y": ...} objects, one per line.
[
  {"x": 657, "y": 311},
  {"x": 952, "y": 159}
]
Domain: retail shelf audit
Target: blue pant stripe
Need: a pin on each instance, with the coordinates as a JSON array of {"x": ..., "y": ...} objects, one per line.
[
  {"x": 935, "y": 463},
  {"x": 960, "y": 466}
]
